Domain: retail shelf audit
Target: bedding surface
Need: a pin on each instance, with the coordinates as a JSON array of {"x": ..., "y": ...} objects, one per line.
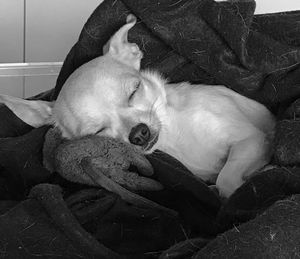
[{"x": 200, "y": 41}]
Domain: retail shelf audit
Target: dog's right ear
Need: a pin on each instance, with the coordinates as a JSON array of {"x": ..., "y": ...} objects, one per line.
[
  {"x": 35, "y": 113},
  {"x": 122, "y": 50}
]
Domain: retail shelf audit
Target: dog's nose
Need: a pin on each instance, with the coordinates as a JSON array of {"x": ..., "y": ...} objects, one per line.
[{"x": 139, "y": 135}]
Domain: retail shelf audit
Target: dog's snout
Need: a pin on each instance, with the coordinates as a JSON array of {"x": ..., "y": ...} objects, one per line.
[{"x": 139, "y": 135}]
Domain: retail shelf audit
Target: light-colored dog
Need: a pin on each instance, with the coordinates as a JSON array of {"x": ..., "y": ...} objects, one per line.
[{"x": 216, "y": 133}]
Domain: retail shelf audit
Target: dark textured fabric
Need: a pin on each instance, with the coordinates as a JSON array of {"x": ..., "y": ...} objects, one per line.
[
  {"x": 273, "y": 234},
  {"x": 11, "y": 125},
  {"x": 191, "y": 40},
  {"x": 21, "y": 158},
  {"x": 27, "y": 231}
]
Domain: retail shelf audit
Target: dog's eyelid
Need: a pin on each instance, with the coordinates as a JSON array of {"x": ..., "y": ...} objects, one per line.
[
  {"x": 100, "y": 130},
  {"x": 136, "y": 87}
]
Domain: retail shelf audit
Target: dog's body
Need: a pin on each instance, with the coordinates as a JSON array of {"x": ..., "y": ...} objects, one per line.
[
  {"x": 216, "y": 133},
  {"x": 213, "y": 121}
]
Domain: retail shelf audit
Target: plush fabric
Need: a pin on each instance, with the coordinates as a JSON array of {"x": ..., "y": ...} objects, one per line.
[{"x": 200, "y": 41}]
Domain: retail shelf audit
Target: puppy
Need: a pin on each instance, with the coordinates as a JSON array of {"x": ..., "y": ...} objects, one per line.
[{"x": 219, "y": 135}]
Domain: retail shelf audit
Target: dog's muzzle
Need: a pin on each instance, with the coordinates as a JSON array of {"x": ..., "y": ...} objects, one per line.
[{"x": 140, "y": 135}]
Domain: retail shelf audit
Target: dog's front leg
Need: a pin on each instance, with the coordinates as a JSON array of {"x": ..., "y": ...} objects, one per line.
[{"x": 245, "y": 157}]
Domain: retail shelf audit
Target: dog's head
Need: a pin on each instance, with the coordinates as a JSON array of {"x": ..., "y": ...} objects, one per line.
[{"x": 108, "y": 96}]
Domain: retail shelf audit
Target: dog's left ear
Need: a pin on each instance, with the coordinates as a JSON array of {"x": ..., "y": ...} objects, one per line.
[
  {"x": 122, "y": 50},
  {"x": 35, "y": 113}
]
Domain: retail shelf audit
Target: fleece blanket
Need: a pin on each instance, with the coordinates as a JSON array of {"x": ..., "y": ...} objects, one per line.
[{"x": 200, "y": 41}]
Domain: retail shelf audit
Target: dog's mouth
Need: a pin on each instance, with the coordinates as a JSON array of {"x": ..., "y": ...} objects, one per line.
[{"x": 151, "y": 143}]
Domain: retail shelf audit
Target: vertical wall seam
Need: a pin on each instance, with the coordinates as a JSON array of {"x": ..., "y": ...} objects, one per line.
[{"x": 24, "y": 45}]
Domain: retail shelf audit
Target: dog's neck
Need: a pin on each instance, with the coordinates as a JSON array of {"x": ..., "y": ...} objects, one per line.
[
  {"x": 176, "y": 95},
  {"x": 173, "y": 117}
]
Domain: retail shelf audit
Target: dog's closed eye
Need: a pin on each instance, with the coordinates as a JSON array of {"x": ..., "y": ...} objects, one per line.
[
  {"x": 137, "y": 85},
  {"x": 100, "y": 130}
]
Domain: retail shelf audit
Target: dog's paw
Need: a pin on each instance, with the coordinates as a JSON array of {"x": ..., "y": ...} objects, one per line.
[{"x": 227, "y": 186}]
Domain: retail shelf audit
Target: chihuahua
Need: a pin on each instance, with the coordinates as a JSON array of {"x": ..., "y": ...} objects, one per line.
[{"x": 218, "y": 134}]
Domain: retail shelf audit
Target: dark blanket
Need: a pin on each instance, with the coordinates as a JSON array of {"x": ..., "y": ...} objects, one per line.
[{"x": 199, "y": 41}]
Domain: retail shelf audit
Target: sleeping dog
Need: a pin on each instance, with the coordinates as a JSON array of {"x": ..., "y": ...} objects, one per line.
[{"x": 218, "y": 134}]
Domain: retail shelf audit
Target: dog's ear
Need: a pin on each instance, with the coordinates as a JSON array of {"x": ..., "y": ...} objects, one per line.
[
  {"x": 35, "y": 113},
  {"x": 122, "y": 50}
]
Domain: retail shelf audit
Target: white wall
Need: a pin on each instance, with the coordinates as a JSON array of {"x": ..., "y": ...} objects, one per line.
[
  {"x": 53, "y": 26},
  {"x": 11, "y": 42},
  {"x": 38, "y": 31},
  {"x": 274, "y": 6}
]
